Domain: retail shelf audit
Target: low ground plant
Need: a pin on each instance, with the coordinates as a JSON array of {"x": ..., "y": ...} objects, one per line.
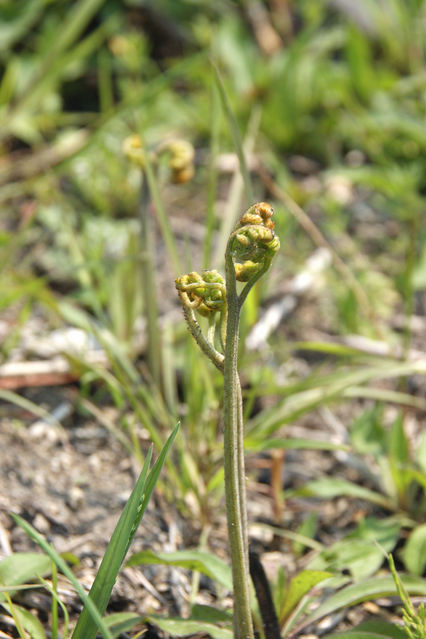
[{"x": 333, "y": 120}]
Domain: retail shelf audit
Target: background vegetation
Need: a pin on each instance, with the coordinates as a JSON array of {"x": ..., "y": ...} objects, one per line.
[{"x": 328, "y": 102}]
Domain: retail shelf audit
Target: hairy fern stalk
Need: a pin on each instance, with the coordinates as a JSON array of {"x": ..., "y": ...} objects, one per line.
[{"x": 250, "y": 250}]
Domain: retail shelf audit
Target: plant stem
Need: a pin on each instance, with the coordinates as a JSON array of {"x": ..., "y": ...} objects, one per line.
[
  {"x": 203, "y": 343},
  {"x": 242, "y": 471},
  {"x": 149, "y": 292},
  {"x": 234, "y": 465}
]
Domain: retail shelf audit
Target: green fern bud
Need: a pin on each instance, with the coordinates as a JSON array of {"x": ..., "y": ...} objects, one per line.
[
  {"x": 205, "y": 293},
  {"x": 253, "y": 243}
]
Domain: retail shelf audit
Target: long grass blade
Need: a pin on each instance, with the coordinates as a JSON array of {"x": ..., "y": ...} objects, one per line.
[
  {"x": 63, "y": 567},
  {"x": 212, "y": 183},
  {"x": 236, "y": 135},
  {"x": 163, "y": 219},
  {"x": 114, "y": 556}
]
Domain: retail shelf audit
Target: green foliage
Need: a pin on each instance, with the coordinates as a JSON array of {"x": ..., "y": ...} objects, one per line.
[
  {"x": 359, "y": 552},
  {"x": 191, "y": 559},
  {"x": 300, "y": 586},
  {"x": 77, "y": 79},
  {"x": 415, "y": 551},
  {"x": 414, "y": 621},
  {"x": 364, "y": 591},
  {"x": 21, "y": 566}
]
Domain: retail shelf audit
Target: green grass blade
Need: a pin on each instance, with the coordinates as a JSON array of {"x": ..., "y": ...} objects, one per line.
[
  {"x": 177, "y": 626},
  {"x": 121, "y": 540},
  {"x": 364, "y": 591},
  {"x": 236, "y": 136},
  {"x": 19, "y": 567},
  {"x": 232, "y": 210},
  {"x": 330, "y": 388},
  {"x": 105, "y": 579},
  {"x": 198, "y": 560},
  {"x": 163, "y": 219},
  {"x": 25, "y": 18},
  {"x": 26, "y": 404},
  {"x": 78, "y": 18},
  {"x": 149, "y": 284},
  {"x": 213, "y": 175},
  {"x": 90, "y": 620},
  {"x": 154, "y": 475},
  {"x": 25, "y": 621},
  {"x": 63, "y": 567},
  {"x": 55, "y": 601},
  {"x": 287, "y": 442},
  {"x": 331, "y": 487}
]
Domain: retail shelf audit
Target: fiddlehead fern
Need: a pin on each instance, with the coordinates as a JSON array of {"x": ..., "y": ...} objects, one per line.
[
  {"x": 249, "y": 253},
  {"x": 253, "y": 243},
  {"x": 206, "y": 294}
]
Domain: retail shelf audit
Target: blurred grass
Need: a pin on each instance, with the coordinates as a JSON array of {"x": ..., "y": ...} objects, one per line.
[{"x": 335, "y": 112}]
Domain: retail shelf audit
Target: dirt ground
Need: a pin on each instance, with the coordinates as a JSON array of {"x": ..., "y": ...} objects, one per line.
[{"x": 72, "y": 485}]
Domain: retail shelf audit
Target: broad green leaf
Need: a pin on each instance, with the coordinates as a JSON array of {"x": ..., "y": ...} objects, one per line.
[
  {"x": 121, "y": 622},
  {"x": 182, "y": 627},
  {"x": 384, "y": 531},
  {"x": 175, "y": 626},
  {"x": 203, "y": 562},
  {"x": 367, "y": 433},
  {"x": 298, "y": 588},
  {"x": 365, "y": 591},
  {"x": 210, "y": 614},
  {"x": 30, "y": 623},
  {"x": 380, "y": 627},
  {"x": 358, "y": 552},
  {"x": 415, "y": 551},
  {"x": 360, "y": 65},
  {"x": 120, "y": 617},
  {"x": 330, "y": 487},
  {"x": 21, "y": 567},
  {"x": 361, "y": 557}
]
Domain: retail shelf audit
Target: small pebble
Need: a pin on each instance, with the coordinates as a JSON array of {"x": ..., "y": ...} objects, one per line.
[
  {"x": 40, "y": 430},
  {"x": 41, "y": 524},
  {"x": 75, "y": 498}
]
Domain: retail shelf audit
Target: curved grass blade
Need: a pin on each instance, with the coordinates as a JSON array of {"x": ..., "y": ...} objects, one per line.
[
  {"x": 121, "y": 539},
  {"x": 20, "y": 567},
  {"x": 95, "y": 604},
  {"x": 362, "y": 591},
  {"x": 25, "y": 620},
  {"x": 236, "y": 135},
  {"x": 331, "y": 487},
  {"x": 256, "y": 445},
  {"x": 202, "y": 562}
]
